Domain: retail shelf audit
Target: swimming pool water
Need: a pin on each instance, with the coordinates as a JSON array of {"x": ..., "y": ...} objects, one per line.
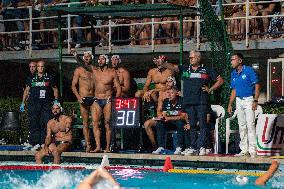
[{"x": 128, "y": 178}]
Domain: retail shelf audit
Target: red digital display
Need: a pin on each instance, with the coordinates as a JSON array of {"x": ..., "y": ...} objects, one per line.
[{"x": 129, "y": 103}]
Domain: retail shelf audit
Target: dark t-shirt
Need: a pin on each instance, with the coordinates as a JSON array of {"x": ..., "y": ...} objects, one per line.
[
  {"x": 170, "y": 109},
  {"x": 41, "y": 88},
  {"x": 193, "y": 80}
]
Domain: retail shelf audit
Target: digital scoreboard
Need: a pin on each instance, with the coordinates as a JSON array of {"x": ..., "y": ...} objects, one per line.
[{"x": 125, "y": 112}]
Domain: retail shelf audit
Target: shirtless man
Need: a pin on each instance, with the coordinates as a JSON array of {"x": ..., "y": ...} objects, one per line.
[
  {"x": 106, "y": 80},
  {"x": 123, "y": 75},
  {"x": 150, "y": 123},
  {"x": 157, "y": 75},
  {"x": 83, "y": 77},
  {"x": 58, "y": 137}
]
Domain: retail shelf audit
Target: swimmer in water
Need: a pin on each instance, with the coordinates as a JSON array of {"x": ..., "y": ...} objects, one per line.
[
  {"x": 95, "y": 179},
  {"x": 261, "y": 181}
]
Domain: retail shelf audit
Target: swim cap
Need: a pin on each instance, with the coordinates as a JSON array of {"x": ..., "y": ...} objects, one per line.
[
  {"x": 242, "y": 180},
  {"x": 57, "y": 104},
  {"x": 117, "y": 57},
  {"x": 88, "y": 53}
]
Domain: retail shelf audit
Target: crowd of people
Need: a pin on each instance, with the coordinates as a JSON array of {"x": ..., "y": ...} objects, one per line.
[
  {"x": 165, "y": 33},
  {"x": 187, "y": 110}
]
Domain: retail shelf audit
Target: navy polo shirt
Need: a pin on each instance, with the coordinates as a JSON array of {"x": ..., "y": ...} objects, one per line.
[
  {"x": 170, "y": 109},
  {"x": 244, "y": 81},
  {"x": 41, "y": 88},
  {"x": 193, "y": 80}
]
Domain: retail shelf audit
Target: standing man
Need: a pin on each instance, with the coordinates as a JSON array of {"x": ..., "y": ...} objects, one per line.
[
  {"x": 39, "y": 94},
  {"x": 106, "y": 80},
  {"x": 196, "y": 92},
  {"x": 245, "y": 88},
  {"x": 158, "y": 76},
  {"x": 83, "y": 78},
  {"x": 123, "y": 75},
  {"x": 58, "y": 137}
]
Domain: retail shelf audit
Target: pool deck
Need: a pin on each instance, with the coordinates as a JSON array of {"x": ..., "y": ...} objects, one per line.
[{"x": 147, "y": 159}]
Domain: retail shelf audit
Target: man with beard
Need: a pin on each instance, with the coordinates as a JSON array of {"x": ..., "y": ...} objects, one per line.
[
  {"x": 58, "y": 137},
  {"x": 83, "y": 77},
  {"x": 106, "y": 80},
  {"x": 157, "y": 75},
  {"x": 123, "y": 75}
]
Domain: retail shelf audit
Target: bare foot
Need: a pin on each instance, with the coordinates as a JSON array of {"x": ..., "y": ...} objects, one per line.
[
  {"x": 88, "y": 149},
  {"x": 107, "y": 150},
  {"x": 97, "y": 150}
]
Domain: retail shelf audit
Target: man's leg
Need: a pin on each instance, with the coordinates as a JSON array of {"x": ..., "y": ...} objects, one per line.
[
  {"x": 85, "y": 117},
  {"x": 33, "y": 118},
  {"x": 192, "y": 116},
  {"x": 180, "y": 133},
  {"x": 202, "y": 111},
  {"x": 96, "y": 116},
  {"x": 250, "y": 120},
  {"x": 107, "y": 116},
  {"x": 242, "y": 126},
  {"x": 56, "y": 151},
  {"x": 39, "y": 155},
  {"x": 149, "y": 124},
  {"x": 161, "y": 131},
  {"x": 45, "y": 116}
]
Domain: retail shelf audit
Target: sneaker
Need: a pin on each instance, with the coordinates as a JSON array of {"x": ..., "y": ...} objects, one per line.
[
  {"x": 202, "y": 151},
  {"x": 77, "y": 45},
  {"x": 178, "y": 151},
  {"x": 185, "y": 151},
  {"x": 241, "y": 154},
  {"x": 35, "y": 148},
  {"x": 253, "y": 155},
  {"x": 158, "y": 151},
  {"x": 208, "y": 151},
  {"x": 191, "y": 152}
]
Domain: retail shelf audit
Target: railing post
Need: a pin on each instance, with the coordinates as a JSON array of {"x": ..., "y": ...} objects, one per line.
[
  {"x": 109, "y": 31},
  {"x": 68, "y": 32},
  {"x": 247, "y": 22},
  {"x": 30, "y": 30},
  {"x": 60, "y": 55},
  {"x": 152, "y": 32},
  {"x": 197, "y": 28}
]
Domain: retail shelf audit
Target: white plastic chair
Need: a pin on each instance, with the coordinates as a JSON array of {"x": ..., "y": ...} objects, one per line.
[
  {"x": 230, "y": 131},
  {"x": 220, "y": 113}
]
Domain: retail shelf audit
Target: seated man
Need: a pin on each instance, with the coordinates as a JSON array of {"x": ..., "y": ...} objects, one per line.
[
  {"x": 58, "y": 137},
  {"x": 172, "y": 118},
  {"x": 157, "y": 75},
  {"x": 170, "y": 83}
]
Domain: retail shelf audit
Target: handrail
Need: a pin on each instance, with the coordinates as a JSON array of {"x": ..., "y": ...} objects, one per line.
[{"x": 69, "y": 28}]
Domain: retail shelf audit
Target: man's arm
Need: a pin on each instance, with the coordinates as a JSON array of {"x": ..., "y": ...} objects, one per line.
[
  {"x": 126, "y": 82},
  {"x": 55, "y": 92},
  {"x": 116, "y": 85},
  {"x": 231, "y": 100},
  {"x": 170, "y": 66},
  {"x": 75, "y": 81},
  {"x": 148, "y": 82},
  {"x": 217, "y": 84},
  {"x": 26, "y": 94},
  {"x": 256, "y": 96},
  {"x": 68, "y": 125}
]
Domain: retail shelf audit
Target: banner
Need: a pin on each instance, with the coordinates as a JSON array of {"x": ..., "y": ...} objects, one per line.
[{"x": 270, "y": 134}]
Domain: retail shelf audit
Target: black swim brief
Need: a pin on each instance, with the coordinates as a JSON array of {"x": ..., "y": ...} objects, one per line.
[
  {"x": 62, "y": 142},
  {"x": 88, "y": 100}
]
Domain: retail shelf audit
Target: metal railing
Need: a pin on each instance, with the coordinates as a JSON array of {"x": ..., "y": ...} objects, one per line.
[{"x": 110, "y": 24}]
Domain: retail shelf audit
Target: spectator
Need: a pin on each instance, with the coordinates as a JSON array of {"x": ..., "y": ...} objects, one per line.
[
  {"x": 39, "y": 96},
  {"x": 58, "y": 137},
  {"x": 245, "y": 88},
  {"x": 277, "y": 23},
  {"x": 2, "y": 28},
  {"x": 78, "y": 22},
  {"x": 196, "y": 92},
  {"x": 171, "y": 118}
]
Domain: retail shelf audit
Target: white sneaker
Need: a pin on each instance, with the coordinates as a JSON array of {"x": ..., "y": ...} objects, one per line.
[
  {"x": 158, "y": 151},
  {"x": 35, "y": 147},
  {"x": 178, "y": 151},
  {"x": 191, "y": 152},
  {"x": 77, "y": 45},
  {"x": 185, "y": 151},
  {"x": 208, "y": 151},
  {"x": 241, "y": 154},
  {"x": 202, "y": 151}
]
